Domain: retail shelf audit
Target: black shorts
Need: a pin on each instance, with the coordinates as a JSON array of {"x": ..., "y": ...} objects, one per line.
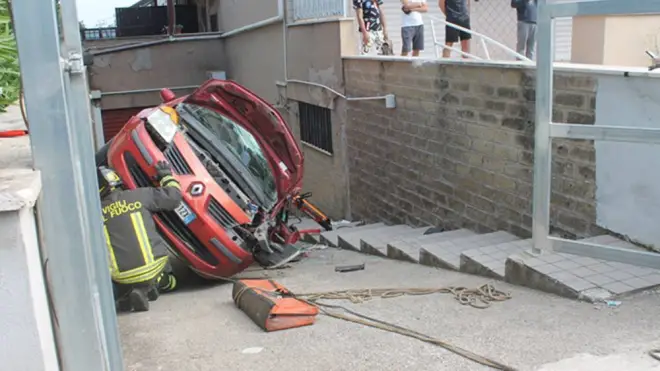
[{"x": 453, "y": 35}]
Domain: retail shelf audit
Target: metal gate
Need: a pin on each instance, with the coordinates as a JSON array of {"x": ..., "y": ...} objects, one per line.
[{"x": 546, "y": 130}]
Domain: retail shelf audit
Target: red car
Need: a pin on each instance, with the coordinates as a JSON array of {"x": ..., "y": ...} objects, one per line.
[{"x": 240, "y": 170}]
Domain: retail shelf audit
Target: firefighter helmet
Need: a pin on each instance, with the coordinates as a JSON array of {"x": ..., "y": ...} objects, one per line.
[{"x": 109, "y": 180}]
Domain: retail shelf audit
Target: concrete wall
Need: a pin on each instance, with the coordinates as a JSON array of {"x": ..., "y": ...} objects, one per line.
[
  {"x": 182, "y": 63},
  {"x": 457, "y": 150},
  {"x": 25, "y": 325},
  {"x": 256, "y": 59},
  {"x": 325, "y": 174},
  {"x": 27, "y": 341},
  {"x": 615, "y": 40},
  {"x": 233, "y": 14},
  {"x": 589, "y": 47}
]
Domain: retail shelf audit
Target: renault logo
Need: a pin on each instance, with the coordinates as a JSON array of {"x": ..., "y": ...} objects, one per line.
[{"x": 196, "y": 189}]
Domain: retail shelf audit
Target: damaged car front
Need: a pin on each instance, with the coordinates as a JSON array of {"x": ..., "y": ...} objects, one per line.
[{"x": 239, "y": 167}]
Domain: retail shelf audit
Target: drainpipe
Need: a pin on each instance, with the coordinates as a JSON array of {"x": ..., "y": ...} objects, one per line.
[
  {"x": 171, "y": 17},
  {"x": 282, "y": 11}
]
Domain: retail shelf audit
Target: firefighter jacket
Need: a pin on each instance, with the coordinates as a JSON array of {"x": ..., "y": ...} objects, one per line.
[{"x": 137, "y": 252}]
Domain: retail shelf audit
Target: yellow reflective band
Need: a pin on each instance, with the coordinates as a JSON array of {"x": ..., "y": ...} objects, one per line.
[
  {"x": 143, "y": 240},
  {"x": 145, "y": 236},
  {"x": 170, "y": 181},
  {"x": 142, "y": 274},
  {"x": 114, "y": 268}
]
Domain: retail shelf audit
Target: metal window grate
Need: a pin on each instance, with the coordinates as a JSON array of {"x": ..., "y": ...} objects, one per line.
[{"x": 315, "y": 126}]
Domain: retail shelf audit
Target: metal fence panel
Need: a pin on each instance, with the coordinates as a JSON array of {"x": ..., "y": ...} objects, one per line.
[
  {"x": 311, "y": 9},
  {"x": 69, "y": 211}
]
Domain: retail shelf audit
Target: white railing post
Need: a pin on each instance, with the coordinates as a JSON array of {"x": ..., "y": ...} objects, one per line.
[
  {"x": 483, "y": 45},
  {"x": 435, "y": 41},
  {"x": 485, "y": 38}
]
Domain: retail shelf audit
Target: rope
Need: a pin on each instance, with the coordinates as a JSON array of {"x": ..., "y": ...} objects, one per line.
[
  {"x": 480, "y": 298},
  {"x": 486, "y": 294},
  {"x": 385, "y": 326},
  {"x": 655, "y": 354}
]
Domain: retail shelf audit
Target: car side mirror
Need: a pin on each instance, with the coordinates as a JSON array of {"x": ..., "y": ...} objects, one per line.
[{"x": 167, "y": 95}]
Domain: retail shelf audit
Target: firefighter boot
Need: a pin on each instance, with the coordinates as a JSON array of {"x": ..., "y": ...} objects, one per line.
[
  {"x": 167, "y": 283},
  {"x": 139, "y": 300}
]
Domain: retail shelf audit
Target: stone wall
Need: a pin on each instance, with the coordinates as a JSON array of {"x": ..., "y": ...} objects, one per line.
[{"x": 457, "y": 150}]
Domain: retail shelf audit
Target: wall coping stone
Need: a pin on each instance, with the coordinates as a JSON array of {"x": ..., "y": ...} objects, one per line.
[{"x": 562, "y": 67}]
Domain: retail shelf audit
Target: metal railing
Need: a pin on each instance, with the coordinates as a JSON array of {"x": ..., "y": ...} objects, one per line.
[
  {"x": 546, "y": 131},
  {"x": 311, "y": 9},
  {"x": 483, "y": 41}
]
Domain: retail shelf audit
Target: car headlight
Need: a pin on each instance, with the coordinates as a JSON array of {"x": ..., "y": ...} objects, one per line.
[{"x": 163, "y": 124}]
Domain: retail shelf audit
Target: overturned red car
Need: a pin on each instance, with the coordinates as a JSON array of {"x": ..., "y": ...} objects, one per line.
[{"x": 240, "y": 170}]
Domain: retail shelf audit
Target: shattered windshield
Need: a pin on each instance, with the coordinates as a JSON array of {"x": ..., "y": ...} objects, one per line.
[{"x": 242, "y": 146}]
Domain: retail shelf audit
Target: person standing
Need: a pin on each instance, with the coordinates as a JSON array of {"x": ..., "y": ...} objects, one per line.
[
  {"x": 412, "y": 26},
  {"x": 526, "y": 10},
  {"x": 458, "y": 13},
  {"x": 371, "y": 24}
]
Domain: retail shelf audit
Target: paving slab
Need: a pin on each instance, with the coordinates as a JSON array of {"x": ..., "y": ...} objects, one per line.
[
  {"x": 408, "y": 249},
  {"x": 352, "y": 241},
  {"x": 331, "y": 238},
  {"x": 581, "y": 277},
  {"x": 447, "y": 254},
  {"x": 490, "y": 261},
  {"x": 377, "y": 244}
]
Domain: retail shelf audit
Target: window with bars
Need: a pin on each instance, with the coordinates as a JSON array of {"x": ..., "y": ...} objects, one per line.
[{"x": 315, "y": 126}]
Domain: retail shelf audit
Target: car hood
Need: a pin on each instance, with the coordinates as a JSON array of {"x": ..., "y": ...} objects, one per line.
[{"x": 263, "y": 122}]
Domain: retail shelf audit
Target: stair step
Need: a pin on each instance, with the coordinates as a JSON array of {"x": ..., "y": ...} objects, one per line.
[
  {"x": 490, "y": 261},
  {"x": 307, "y": 223},
  {"x": 377, "y": 244},
  {"x": 352, "y": 241},
  {"x": 331, "y": 238},
  {"x": 408, "y": 249},
  {"x": 447, "y": 254},
  {"x": 581, "y": 277}
]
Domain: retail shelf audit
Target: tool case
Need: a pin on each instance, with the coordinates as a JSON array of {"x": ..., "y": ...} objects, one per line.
[{"x": 271, "y": 306}]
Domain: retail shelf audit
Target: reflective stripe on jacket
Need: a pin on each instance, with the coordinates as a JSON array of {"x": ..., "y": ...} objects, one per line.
[{"x": 137, "y": 252}]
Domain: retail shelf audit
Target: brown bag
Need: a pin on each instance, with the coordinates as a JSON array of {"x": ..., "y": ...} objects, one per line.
[{"x": 388, "y": 47}]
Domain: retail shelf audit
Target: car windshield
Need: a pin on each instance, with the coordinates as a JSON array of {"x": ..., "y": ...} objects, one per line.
[{"x": 241, "y": 145}]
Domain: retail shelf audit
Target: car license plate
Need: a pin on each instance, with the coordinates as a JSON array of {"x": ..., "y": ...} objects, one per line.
[{"x": 184, "y": 212}]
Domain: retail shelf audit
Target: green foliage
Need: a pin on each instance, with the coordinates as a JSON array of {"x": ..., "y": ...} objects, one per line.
[{"x": 10, "y": 78}]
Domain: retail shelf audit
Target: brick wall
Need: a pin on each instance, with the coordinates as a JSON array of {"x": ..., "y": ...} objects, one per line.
[{"x": 457, "y": 150}]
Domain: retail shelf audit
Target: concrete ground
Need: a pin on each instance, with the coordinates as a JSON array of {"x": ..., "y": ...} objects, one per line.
[{"x": 200, "y": 329}]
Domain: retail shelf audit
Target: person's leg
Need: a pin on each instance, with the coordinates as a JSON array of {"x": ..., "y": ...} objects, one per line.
[
  {"x": 451, "y": 36},
  {"x": 418, "y": 40},
  {"x": 522, "y": 38},
  {"x": 378, "y": 38},
  {"x": 531, "y": 42},
  {"x": 407, "y": 34},
  {"x": 465, "y": 37}
]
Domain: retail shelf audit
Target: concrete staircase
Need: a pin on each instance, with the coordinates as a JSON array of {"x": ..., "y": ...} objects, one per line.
[{"x": 498, "y": 255}]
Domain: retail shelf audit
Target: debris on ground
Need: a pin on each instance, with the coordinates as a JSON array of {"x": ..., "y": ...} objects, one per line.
[
  {"x": 613, "y": 303},
  {"x": 349, "y": 268},
  {"x": 253, "y": 350}
]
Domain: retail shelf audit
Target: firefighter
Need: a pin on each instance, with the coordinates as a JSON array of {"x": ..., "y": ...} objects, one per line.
[{"x": 138, "y": 255}]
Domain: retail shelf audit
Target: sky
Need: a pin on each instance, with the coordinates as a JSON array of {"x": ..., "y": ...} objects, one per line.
[{"x": 91, "y": 12}]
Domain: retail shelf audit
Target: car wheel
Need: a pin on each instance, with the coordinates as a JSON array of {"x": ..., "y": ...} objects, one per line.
[{"x": 101, "y": 156}]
